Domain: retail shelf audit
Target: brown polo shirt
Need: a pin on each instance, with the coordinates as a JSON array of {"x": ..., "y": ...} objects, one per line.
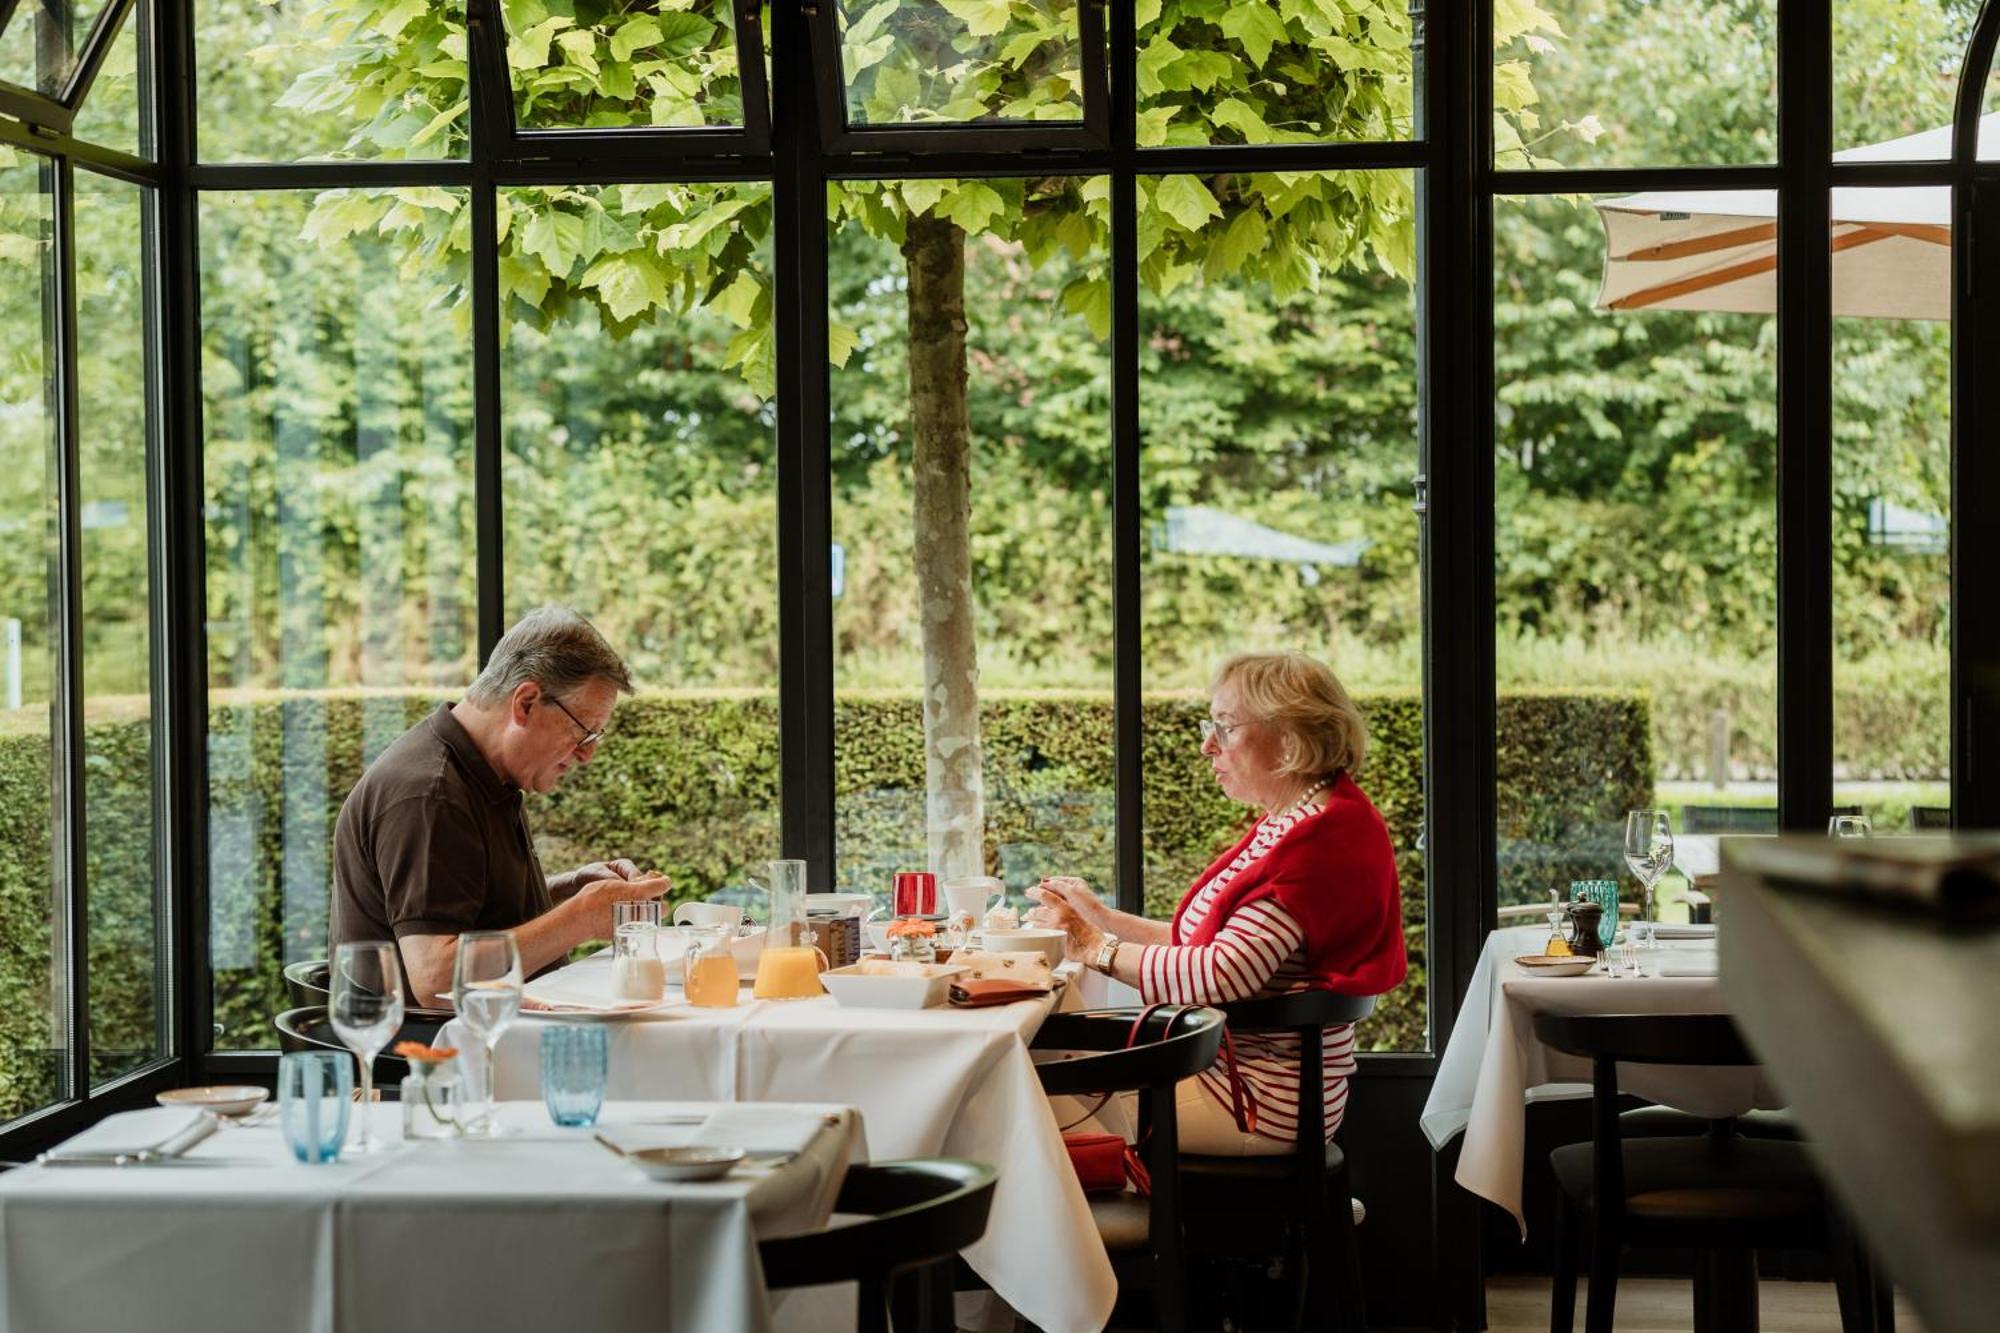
[{"x": 431, "y": 841}]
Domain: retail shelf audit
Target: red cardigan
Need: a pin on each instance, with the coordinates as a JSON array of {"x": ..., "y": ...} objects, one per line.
[{"x": 1335, "y": 872}]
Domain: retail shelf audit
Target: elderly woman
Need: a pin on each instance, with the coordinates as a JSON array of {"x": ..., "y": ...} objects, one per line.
[{"x": 1307, "y": 900}]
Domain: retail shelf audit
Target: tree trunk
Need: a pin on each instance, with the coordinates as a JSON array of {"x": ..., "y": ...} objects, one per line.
[{"x": 934, "y": 250}]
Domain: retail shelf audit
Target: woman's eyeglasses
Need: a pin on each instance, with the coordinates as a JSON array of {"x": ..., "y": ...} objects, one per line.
[{"x": 1222, "y": 733}]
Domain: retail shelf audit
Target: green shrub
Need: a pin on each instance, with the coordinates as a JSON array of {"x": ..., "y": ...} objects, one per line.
[{"x": 688, "y": 782}]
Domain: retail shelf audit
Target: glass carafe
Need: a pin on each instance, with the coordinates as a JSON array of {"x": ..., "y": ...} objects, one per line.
[
  {"x": 788, "y": 969},
  {"x": 708, "y": 975}
]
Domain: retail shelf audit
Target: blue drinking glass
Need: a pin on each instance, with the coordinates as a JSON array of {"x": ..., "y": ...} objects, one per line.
[
  {"x": 1603, "y": 892},
  {"x": 576, "y": 1065},
  {"x": 315, "y": 1091}
]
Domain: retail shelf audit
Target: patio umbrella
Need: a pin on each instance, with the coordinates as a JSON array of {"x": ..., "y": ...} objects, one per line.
[{"x": 1718, "y": 249}]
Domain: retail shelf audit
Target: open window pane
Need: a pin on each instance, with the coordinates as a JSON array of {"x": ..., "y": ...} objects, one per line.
[
  {"x": 972, "y": 530},
  {"x": 289, "y": 80},
  {"x": 907, "y": 62},
  {"x": 111, "y": 114},
  {"x": 34, "y": 1027},
  {"x": 617, "y": 65},
  {"x": 1895, "y": 67},
  {"x": 337, "y": 456},
  {"x": 1278, "y": 401},
  {"x": 641, "y": 489},
  {"x": 1635, "y": 530},
  {"x": 1892, "y": 593},
  {"x": 1635, "y": 83},
  {"x": 43, "y": 43},
  {"x": 128, "y": 954},
  {"x": 1274, "y": 71}
]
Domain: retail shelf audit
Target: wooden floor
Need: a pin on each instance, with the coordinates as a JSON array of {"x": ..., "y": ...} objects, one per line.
[{"x": 1659, "y": 1305}]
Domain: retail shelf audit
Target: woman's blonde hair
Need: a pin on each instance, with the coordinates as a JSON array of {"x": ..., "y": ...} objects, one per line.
[{"x": 1324, "y": 732}]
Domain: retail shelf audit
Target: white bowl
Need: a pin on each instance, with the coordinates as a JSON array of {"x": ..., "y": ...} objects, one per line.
[
  {"x": 215, "y": 1100},
  {"x": 1028, "y": 939},
  {"x": 884, "y": 985},
  {"x": 685, "y": 1163}
]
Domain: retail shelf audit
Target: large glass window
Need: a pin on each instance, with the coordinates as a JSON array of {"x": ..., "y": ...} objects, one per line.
[
  {"x": 1895, "y": 68},
  {"x": 286, "y": 80},
  {"x": 641, "y": 488},
  {"x": 128, "y": 952},
  {"x": 972, "y": 531},
  {"x": 1278, "y": 405},
  {"x": 1635, "y": 528},
  {"x": 43, "y": 43},
  {"x": 616, "y": 64},
  {"x": 336, "y": 387},
  {"x": 34, "y": 1027},
  {"x": 111, "y": 113},
  {"x": 961, "y": 60}
]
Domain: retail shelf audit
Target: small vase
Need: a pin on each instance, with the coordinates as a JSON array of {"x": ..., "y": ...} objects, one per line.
[
  {"x": 912, "y": 949},
  {"x": 430, "y": 1102}
]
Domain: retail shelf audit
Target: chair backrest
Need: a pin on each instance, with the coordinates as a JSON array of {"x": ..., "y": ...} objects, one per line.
[
  {"x": 1175, "y": 1042},
  {"x": 1729, "y": 819},
  {"x": 1307, "y": 1013},
  {"x": 1930, "y": 816},
  {"x": 919, "y": 1211},
  {"x": 309, "y": 1028},
  {"x": 308, "y": 983}
]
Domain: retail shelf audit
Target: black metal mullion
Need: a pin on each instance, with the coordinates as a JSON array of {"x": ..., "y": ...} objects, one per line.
[
  {"x": 159, "y": 622},
  {"x": 91, "y": 56},
  {"x": 1805, "y": 414},
  {"x": 1127, "y": 442},
  {"x": 59, "y": 324},
  {"x": 106, "y": 161},
  {"x": 805, "y": 483},
  {"x": 491, "y": 97}
]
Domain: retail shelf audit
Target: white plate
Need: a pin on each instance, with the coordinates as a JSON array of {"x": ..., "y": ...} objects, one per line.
[
  {"x": 229, "y": 1100},
  {"x": 578, "y": 1013},
  {"x": 685, "y": 1163},
  {"x": 1542, "y": 965}
]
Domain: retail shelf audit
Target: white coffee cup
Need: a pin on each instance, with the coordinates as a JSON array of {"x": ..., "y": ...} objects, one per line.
[
  {"x": 708, "y": 914},
  {"x": 974, "y": 896}
]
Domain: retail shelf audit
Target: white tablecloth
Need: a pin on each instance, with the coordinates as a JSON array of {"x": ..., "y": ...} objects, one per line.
[
  {"x": 540, "y": 1230},
  {"x": 1493, "y": 1066},
  {"x": 928, "y": 1083}
]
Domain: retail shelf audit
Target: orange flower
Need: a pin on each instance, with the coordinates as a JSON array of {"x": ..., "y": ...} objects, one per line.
[
  {"x": 906, "y": 926},
  {"x": 422, "y": 1054}
]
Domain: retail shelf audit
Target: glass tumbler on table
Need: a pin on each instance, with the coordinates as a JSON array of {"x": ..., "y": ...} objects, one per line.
[
  {"x": 576, "y": 1066},
  {"x": 315, "y": 1089},
  {"x": 486, "y": 987},
  {"x": 366, "y": 1008}
]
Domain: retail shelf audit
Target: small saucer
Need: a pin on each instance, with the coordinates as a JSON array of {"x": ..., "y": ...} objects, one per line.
[
  {"x": 685, "y": 1163},
  {"x": 1555, "y": 965},
  {"x": 228, "y": 1100}
]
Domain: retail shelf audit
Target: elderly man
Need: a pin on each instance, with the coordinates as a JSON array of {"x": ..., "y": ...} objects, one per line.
[{"x": 433, "y": 839}]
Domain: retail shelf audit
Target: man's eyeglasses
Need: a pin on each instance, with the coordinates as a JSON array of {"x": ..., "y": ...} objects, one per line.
[
  {"x": 590, "y": 737},
  {"x": 1222, "y": 733}
]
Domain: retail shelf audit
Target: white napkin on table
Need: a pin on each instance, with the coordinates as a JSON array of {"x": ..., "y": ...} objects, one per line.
[
  {"x": 1690, "y": 931},
  {"x": 756, "y": 1128}
]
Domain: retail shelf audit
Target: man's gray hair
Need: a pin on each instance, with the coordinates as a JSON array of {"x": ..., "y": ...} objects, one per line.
[{"x": 554, "y": 647}]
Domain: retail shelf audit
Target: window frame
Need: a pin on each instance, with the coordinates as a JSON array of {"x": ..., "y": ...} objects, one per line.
[{"x": 59, "y": 113}]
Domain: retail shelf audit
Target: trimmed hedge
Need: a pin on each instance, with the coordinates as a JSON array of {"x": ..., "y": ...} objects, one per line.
[{"x": 688, "y": 782}]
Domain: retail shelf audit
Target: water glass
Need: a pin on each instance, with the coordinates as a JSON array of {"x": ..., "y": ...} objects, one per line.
[
  {"x": 366, "y": 1008},
  {"x": 486, "y": 988},
  {"x": 315, "y": 1090},
  {"x": 576, "y": 1065}
]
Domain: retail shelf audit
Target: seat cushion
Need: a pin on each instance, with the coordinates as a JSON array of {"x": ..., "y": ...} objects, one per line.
[
  {"x": 1125, "y": 1221},
  {"x": 1274, "y": 1169},
  {"x": 1703, "y": 1181},
  {"x": 1666, "y": 1122}
]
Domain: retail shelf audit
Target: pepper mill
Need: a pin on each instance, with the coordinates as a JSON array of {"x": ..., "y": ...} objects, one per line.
[{"x": 1584, "y": 918}]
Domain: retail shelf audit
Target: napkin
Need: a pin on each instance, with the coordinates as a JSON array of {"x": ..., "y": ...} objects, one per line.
[
  {"x": 1689, "y": 965},
  {"x": 755, "y": 1128},
  {"x": 1704, "y": 931},
  {"x": 168, "y": 1132},
  {"x": 1027, "y": 967}
]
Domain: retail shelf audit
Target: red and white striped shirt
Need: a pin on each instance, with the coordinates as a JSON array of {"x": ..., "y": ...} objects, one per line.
[{"x": 1258, "y": 951}]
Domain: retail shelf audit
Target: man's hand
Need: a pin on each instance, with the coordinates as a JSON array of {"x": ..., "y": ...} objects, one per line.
[
  {"x": 596, "y": 870},
  {"x": 593, "y": 900}
]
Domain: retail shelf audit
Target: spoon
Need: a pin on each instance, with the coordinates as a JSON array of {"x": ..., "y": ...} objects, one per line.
[{"x": 609, "y": 1144}]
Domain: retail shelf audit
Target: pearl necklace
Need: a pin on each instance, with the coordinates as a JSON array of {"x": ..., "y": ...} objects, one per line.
[{"x": 1304, "y": 796}]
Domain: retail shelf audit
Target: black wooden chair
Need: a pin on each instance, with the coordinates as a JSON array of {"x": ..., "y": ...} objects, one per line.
[
  {"x": 918, "y": 1214},
  {"x": 309, "y": 1029},
  {"x": 1720, "y": 1192},
  {"x": 1174, "y": 1043},
  {"x": 1308, "y": 1188},
  {"x": 1740, "y": 818},
  {"x": 1930, "y": 818}
]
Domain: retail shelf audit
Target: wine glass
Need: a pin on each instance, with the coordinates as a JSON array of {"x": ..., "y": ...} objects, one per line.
[
  {"x": 1847, "y": 826},
  {"x": 366, "y": 1008},
  {"x": 486, "y": 988},
  {"x": 1649, "y": 851}
]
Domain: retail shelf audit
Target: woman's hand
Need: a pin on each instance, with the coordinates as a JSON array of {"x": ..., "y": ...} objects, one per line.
[
  {"x": 1075, "y": 895},
  {"x": 1081, "y": 938}
]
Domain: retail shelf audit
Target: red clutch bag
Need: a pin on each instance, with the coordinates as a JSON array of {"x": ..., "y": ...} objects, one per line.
[
  {"x": 979, "y": 993},
  {"x": 1100, "y": 1161}
]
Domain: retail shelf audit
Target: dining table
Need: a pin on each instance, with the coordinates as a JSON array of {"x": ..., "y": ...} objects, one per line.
[
  {"x": 936, "y": 1082},
  {"x": 540, "y": 1227},
  {"x": 1494, "y": 1067}
]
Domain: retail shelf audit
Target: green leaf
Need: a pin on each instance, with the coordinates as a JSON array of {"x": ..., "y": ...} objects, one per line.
[
  {"x": 580, "y": 50},
  {"x": 1245, "y": 237},
  {"x": 554, "y": 237},
  {"x": 398, "y": 17},
  {"x": 840, "y": 343},
  {"x": 1145, "y": 12},
  {"x": 531, "y": 49},
  {"x": 628, "y": 283},
  {"x": 982, "y": 18},
  {"x": 335, "y": 217},
  {"x": 1187, "y": 201},
  {"x": 972, "y": 205},
  {"x": 1238, "y": 115},
  {"x": 523, "y": 278},
  {"x": 738, "y": 302},
  {"x": 1255, "y": 26},
  {"x": 1091, "y": 298},
  {"x": 921, "y": 196},
  {"x": 637, "y": 31},
  {"x": 1153, "y": 125}
]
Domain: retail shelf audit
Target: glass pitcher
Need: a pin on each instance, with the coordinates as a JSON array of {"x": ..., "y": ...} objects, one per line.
[
  {"x": 708, "y": 968},
  {"x": 788, "y": 969}
]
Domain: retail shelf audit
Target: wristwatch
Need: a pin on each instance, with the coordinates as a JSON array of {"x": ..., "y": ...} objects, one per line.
[{"x": 1107, "y": 952}]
